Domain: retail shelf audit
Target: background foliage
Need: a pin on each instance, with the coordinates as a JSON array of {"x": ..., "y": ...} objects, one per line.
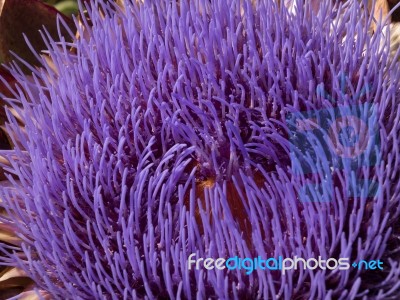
[{"x": 67, "y": 7}]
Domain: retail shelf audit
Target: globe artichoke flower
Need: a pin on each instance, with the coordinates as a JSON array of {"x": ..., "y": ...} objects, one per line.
[{"x": 168, "y": 128}]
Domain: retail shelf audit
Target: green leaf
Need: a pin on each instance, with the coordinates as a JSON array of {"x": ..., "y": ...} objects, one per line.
[{"x": 68, "y": 8}]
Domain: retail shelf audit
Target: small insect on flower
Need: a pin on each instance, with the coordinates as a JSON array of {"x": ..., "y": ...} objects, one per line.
[{"x": 170, "y": 129}]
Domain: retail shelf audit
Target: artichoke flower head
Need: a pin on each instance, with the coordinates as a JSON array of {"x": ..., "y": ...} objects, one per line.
[{"x": 167, "y": 128}]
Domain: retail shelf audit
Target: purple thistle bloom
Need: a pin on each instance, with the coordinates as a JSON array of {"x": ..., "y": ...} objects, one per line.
[{"x": 164, "y": 133}]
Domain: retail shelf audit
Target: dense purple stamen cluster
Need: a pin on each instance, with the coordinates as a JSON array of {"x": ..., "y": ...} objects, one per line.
[{"x": 122, "y": 133}]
